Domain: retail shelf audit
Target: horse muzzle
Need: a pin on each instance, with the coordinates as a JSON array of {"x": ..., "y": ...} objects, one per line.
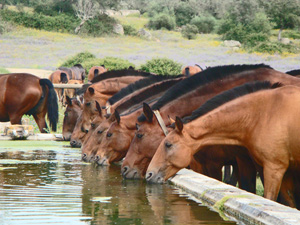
[{"x": 153, "y": 177}]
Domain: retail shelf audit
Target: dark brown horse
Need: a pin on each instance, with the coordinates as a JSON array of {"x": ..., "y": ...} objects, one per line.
[
  {"x": 191, "y": 70},
  {"x": 102, "y": 88},
  {"x": 59, "y": 77},
  {"x": 96, "y": 71},
  {"x": 76, "y": 72},
  {"x": 252, "y": 116},
  {"x": 72, "y": 113},
  {"x": 182, "y": 99},
  {"x": 23, "y": 93}
]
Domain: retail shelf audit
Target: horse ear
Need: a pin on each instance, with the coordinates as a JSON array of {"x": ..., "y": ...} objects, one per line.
[
  {"x": 178, "y": 124},
  {"x": 99, "y": 108},
  {"x": 96, "y": 73},
  {"x": 103, "y": 66},
  {"x": 171, "y": 120},
  {"x": 68, "y": 100},
  {"x": 91, "y": 90},
  {"x": 117, "y": 116},
  {"x": 148, "y": 112}
]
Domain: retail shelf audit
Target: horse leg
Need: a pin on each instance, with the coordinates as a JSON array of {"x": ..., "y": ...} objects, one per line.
[
  {"x": 15, "y": 119},
  {"x": 286, "y": 194},
  {"x": 227, "y": 174},
  {"x": 235, "y": 172},
  {"x": 273, "y": 175},
  {"x": 247, "y": 174},
  {"x": 41, "y": 122}
]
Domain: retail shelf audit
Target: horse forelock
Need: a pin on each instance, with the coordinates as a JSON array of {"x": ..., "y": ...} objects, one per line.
[{"x": 203, "y": 78}]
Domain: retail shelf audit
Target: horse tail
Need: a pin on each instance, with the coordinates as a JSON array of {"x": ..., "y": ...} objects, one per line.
[
  {"x": 187, "y": 71},
  {"x": 52, "y": 104}
]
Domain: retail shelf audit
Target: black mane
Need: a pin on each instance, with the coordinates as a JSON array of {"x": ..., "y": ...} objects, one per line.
[
  {"x": 137, "y": 86},
  {"x": 200, "y": 79},
  {"x": 293, "y": 72},
  {"x": 228, "y": 96}
]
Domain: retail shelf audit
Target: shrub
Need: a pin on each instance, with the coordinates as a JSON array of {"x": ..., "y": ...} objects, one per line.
[
  {"x": 205, "y": 24},
  {"x": 130, "y": 30},
  {"x": 5, "y": 26},
  {"x": 268, "y": 47},
  {"x": 78, "y": 58},
  {"x": 111, "y": 63},
  {"x": 162, "y": 66},
  {"x": 184, "y": 12},
  {"x": 99, "y": 26},
  {"x": 291, "y": 34},
  {"x": 254, "y": 39},
  {"x": 189, "y": 31},
  {"x": 162, "y": 20}
]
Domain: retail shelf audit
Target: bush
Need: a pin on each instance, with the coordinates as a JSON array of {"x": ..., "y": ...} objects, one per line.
[
  {"x": 291, "y": 34},
  {"x": 78, "y": 58},
  {"x": 205, "y": 24},
  {"x": 162, "y": 66},
  {"x": 130, "y": 30},
  {"x": 162, "y": 20},
  {"x": 99, "y": 26},
  {"x": 111, "y": 63},
  {"x": 5, "y": 26},
  {"x": 254, "y": 39},
  {"x": 189, "y": 31},
  {"x": 184, "y": 12},
  {"x": 268, "y": 47}
]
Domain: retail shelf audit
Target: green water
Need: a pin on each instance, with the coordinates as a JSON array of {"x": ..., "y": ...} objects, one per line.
[{"x": 46, "y": 183}]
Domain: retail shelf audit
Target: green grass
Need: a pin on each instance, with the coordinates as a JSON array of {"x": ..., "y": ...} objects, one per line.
[
  {"x": 3, "y": 70},
  {"x": 135, "y": 21}
]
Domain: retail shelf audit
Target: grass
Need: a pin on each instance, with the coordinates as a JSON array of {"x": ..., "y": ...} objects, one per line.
[
  {"x": 135, "y": 21},
  {"x": 3, "y": 70}
]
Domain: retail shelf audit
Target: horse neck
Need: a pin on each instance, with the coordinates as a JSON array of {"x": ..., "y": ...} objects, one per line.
[{"x": 230, "y": 124}]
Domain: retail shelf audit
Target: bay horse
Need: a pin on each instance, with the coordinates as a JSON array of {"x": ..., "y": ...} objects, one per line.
[
  {"x": 76, "y": 72},
  {"x": 191, "y": 70},
  {"x": 71, "y": 114},
  {"x": 264, "y": 120},
  {"x": 101, "y": 89},
  {"x": 71, "y": 93},
  {"x": 23, "y": 93},
  {"x": 293, "y": 72},
  {"x": 96, "y": 71},
  {"x": 126, "y": 101},
  {"x": 59, "y": 77},
  {"x": 182, "y": 99}
]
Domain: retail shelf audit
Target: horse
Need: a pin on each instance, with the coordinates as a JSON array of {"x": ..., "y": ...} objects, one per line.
[
  {"x": 101, "y": 89},
  {"x": 254, "y": 116},
  {"x": 191, "y": 70},
  {"x": 23, "y": 93},
  {"x": 71, "y": 114},
  {"x": 182, "y": 99},
  {"x": 96, "y": 71},
  {"x": 293, "y": 72},
  {"x": 59, "y": 77},
  {"x": 71, "y": 93},
  {"x": 76, "y": 72},
  {"x": 127, "y": 100}
]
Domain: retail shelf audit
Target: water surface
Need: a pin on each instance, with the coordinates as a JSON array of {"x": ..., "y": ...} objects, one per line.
[{"x": 46, "y": 183}]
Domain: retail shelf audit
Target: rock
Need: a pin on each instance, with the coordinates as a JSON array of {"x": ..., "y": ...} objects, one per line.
[
  {"x": 118, "y": 29},
  {"x": 145, "y": 34},
  {"x": 285, "y": 41},
  {"x": 232, "y": 43}
]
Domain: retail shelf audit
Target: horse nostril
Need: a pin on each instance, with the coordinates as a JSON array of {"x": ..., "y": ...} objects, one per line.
[
  {"x": 124, "y": 169},
  {"x": 84, "y": 155},
  {"x": 73, "y": 143},
  {"x": 149, "y": 176},
  {"x": 97, "y": 158}
]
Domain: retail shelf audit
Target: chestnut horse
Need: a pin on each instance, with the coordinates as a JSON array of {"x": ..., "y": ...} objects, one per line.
[
  {"x": 134, "y": 94},
  {"x": 266, "y": 122},
  {"x": 59, "y": 77},
  {"x": 76, "y": 72},
  {"x": 101, "y": 89},
  {"x": 191, "y": 70},
  {"x": 182, "y": 99},
  {"x": 96, "y": 71},
  {"x": 72, "y": 113},
  {"x": 23, "y": 93}
]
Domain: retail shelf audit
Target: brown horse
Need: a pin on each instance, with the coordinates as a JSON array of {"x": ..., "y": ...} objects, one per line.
[
  {"x": 59, "y": 77},
  {"x": 293, "y": 72},
  {"x": 182, "y": 99},
  {"x": 71, "y": 93},
  {"x": 101, "y": 89},
  {"x": 76, "y": 72},
  {"x": 23, "y": 93},
  {"x": 72, "y": 113},
  {"x": 126, "y": 101},
  {"x": 191, "y": 70},
  {"x": 256, "y": 118},
  {"x": 96, "y": 71}
]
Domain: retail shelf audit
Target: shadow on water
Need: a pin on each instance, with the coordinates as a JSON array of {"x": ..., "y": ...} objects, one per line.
[{"x": 53, "y": 186}]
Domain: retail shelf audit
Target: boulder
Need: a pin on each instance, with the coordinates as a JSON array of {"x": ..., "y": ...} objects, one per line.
[
  {"x": 232, "y": 43},
  {"x": 118, "y": 29},
  {"x": 144, "y": 34}
]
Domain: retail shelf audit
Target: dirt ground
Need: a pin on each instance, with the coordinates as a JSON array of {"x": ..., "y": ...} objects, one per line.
[{"x": 38, "y": 72}]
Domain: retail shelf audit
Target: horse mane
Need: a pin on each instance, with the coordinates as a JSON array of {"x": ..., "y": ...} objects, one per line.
[
  {"x": 139, "y": 85},
  {"x": 200, "y": 79},
  {"x": 293, "y": 72},
  {"x": 113, "y": 74},
  {"x": 149, "y": 93},
  {"x": 230, "y": 95}
]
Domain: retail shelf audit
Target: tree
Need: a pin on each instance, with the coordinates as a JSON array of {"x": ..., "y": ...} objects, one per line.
[
  {"x": 284, "y": 13},
  {"x": 85, "y": 10}
]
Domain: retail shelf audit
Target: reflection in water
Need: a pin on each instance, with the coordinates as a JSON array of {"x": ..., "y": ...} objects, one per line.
[{"x": 54, "y": 186}]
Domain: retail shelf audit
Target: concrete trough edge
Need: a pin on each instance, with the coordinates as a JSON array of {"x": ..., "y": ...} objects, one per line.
[
  {"x": 238, "y": 204},
  {"x": 38, "y": 137}
]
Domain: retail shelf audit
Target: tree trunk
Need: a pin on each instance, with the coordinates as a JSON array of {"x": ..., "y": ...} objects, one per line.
[
  {"x": 279, "y": 34},
  {"x": 77, "y": 29}
]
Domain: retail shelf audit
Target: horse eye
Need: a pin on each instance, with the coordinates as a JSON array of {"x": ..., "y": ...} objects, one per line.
[
  {"x": 100, "y": 131},
  {"x": 168, "y": 145},
  {"x": 93, "y": 125},
  {"x": 139, "y": 135},
  {"x": 88, "y": 104},
  {"x": 108, "y": 134}
]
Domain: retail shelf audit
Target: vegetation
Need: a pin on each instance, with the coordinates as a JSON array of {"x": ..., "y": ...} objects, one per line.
[
  {"x": 3, "y": 70},
  {"x": 162, "y": 66},
  {"x": 111, "y": 63},
  {"x": 78, "y": 59},
  {"x": 189, "y": 31}
]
